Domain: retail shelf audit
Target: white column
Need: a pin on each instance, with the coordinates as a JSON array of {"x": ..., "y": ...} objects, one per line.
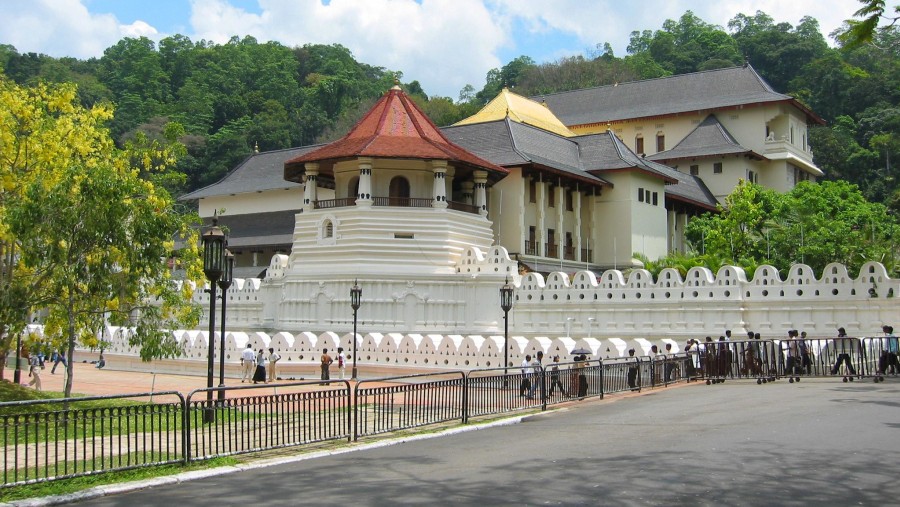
[
  {"x": 309, "y": 190},
  {"x": 560, "y": 227},
  {"x": 541, "y": 213},
  {"x": 364, "y": 197},
  {"x": 439, "y": 167},
  {"x": 673, "y": 240},
  {"x": 682, "y": 222},
  {"x": 576, "y": 207},
  {"x": 468, "y": 192},
  {"x": 480, "y": 192}
]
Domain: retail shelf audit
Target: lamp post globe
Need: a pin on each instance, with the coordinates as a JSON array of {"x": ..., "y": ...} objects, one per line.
[
  {"x": 213, "y": 266},
  {"x": 224, "y": 283},
  {"x": 506, "y": 304},
  {"x": 355, "y": 301}
]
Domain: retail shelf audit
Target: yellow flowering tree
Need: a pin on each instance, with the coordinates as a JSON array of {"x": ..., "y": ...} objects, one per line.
[{"x": 85, "y": 236}]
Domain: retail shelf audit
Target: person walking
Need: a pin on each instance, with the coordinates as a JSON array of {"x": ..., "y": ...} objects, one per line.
[
  {"x": 274, "y": 357},
  {"x": 325, "y": 361},
  {"x": 537, "y": 374},
  {"x": 58, "y": 357},
  {"x": 554, "y": 377},
  {"x": 843, "y": 346},
  {"x": 889, "y": 353},
  {"x": 342, "y": 362},
  {"x": 260, "y": 374},
  {"x": 248, "y": 364},
  {"x": 525, "y": 385},
  {"x": 34, "y": 371}
]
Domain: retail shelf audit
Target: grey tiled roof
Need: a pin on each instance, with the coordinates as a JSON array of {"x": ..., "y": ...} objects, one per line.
[
  {"x": 507, "y": 143},
  {"x": 709, "y": 138},
  {"x": 258, "y": 172},
  {"x": 605, "y": 152},
  {"x": 259, "y": 229},
  {"x": 688, "y": 188},
  {"x": 699, "y": 91}
]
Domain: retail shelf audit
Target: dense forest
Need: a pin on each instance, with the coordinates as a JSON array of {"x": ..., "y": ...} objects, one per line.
[{"x": 232, "y": 98}]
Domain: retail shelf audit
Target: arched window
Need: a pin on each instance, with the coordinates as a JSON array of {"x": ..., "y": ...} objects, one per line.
[
  {"x": 399, "y": 191},
  {"x": 328, "y": 229},
  {"x": 353, "y": 187}
]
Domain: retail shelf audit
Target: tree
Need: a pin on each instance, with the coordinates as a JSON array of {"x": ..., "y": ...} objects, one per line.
[
  {"x": 814, "y": 224},
  {"x": 101, "y": 255},
  {"x": 858, "y": 32}
]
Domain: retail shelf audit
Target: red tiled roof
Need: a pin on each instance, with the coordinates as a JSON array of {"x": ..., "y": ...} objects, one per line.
[{"x": 396, "y": 128}]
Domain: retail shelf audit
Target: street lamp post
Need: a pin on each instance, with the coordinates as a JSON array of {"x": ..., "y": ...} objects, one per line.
[
  {"x": 569, "y": 325},
  {"x": 224, "y": 284},
  {"x": 213, "y": 266},
  {"x": 355, "y": 299},
  {"x": 506, "y": 304}
]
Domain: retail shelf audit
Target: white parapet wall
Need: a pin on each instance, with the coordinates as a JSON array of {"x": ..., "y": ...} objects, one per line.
[{"x": 609, "y": 314}]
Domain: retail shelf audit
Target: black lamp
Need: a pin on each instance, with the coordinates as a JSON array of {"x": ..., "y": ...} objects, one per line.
[
  {"x": 213, "y": 267},
  {"x": 355, "y": 299},
  {"x": 506, "y": 303},
  {"x": 224, "y": 284}
]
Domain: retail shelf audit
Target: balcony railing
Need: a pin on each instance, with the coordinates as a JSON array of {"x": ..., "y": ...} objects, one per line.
[
  {"x": 398, "y": 202},
  {"x": 551, "y": 251},
  {"x": 569, "y": 253},
  {"x": 532, "y": 248},
  {"x": 587, "y": 255}
]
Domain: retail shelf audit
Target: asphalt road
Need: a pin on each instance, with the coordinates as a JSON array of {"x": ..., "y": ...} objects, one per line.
[{"x": 819, "y": 442}]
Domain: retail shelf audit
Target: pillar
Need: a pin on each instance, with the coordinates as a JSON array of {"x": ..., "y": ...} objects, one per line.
[
  {"x": 439, "y": 168},
  {"x": 364, "y": 197},
  {"x": 480, "y": 192},
  {"x": 309, "y": 190}
]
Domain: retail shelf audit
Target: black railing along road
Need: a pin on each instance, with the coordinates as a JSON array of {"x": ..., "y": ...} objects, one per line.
[
  {"x": 56, "y": 439},
  {"x": 250, "y": 420},
  {"x": 53, "y": 439}
]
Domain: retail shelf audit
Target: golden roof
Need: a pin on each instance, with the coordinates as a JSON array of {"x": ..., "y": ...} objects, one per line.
[{"x": 519, "y": 109}]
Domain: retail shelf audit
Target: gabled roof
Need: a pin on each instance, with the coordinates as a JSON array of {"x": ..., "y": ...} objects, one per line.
[
  {"x": 698, "y": 91},
  {"x": 688, "y": 188},
  {"x": 393, "y": 128},
  {"x": 521, "y": 110},
  {"x": 709, "y": 138},
  {"x": 258, "y": 172},
  {"x": 606, "y": 152},
  {"x": 509, "y": 143}
]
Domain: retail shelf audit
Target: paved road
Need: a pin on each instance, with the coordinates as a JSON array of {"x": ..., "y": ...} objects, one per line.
[{"x": 820, "y": 442}]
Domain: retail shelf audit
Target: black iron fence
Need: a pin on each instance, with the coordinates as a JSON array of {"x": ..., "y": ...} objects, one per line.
[
  {"x": 54, "y": 439},
  {"x": 45, "y": 440}
]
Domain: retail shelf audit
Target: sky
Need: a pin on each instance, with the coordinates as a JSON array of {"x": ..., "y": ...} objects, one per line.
[{"x": 444, "y": 44}]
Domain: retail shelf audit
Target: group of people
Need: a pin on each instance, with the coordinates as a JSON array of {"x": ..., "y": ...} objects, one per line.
[
  {"x": 258, "y": 367},
  {"x": 532, "y": 369},
  {"x": 754, "y": 358}
]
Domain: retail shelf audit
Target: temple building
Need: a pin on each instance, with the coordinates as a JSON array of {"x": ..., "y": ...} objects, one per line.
[{"x": 573, "y": 180}]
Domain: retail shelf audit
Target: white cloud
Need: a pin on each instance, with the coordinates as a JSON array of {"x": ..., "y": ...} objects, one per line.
[{"x": 62, "y": 28}]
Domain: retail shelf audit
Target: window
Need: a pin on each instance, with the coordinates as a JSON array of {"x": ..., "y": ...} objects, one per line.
[
  {"x": 660, "y": 142},
  {"x": 641, "y": 194},
  {"x": 399, "y": 187},
  {"x": 695, "y": 170},
  {"x": 328, "y": 229},
  {"x": 569, "y": 199},
  {"x": 752, "y": 177},
  {"x": 717, "y": 168},
  {"x": 655, "y": 198},
  {"x": 639, "y": 145},
  {"x": 532, "y": 191},
  {"x": 353, "y": 187},
  {"x": 551, "y": 199}
]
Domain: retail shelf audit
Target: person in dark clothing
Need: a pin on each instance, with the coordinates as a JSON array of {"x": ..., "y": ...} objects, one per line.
[
  {"x": 632, "y": 371},
  {"x": 843, "y": 346},
  {"x": 554, "y": 377}
]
